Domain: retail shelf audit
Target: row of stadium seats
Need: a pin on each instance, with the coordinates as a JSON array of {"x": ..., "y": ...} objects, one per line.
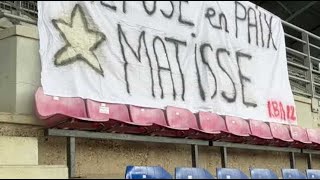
[
  {"x": 85, "y": 114},
  {"x": 157, "y": 172}
]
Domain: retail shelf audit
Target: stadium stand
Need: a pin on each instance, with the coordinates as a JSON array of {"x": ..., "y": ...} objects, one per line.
[
  {"x": 88, "y": 115},
  {"x": 84, "y": 114}
]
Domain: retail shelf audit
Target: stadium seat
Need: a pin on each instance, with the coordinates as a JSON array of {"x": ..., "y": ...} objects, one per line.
[
  {"x": 179, "y": 122},
  {"x": 207, "y": 127},
  {"x": 281, "y": 135},
  {"x": 147, "y": 116},
  {"x": 57, "y": 109},
  {"x": 213, "y": 123},
  {"x": 238, "y": 128},
  {"x": 292, "y": 174},
  {"x": 105, "y": 111},
  {"x": 146, "y": 172},
  {"x": 63, "y": 112},
  {"x": 313, "y": 173},
  {"x": 115, "y": 117},
  {"x": 216, "y": 124},
  {"x": 150, "y": 118},
  {"x": 314, "y": 137},
  {"x": 260, "y": 132},
  {"x": 229, "y": 173},
  {"x": 192, "y": 173},
  {"x": 262, "y": 174},
  {"x": 300, "y": 137}
]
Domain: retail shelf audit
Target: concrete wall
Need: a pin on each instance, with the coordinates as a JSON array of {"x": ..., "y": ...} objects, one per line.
[
  {"x": 306, "y": 118},
  {"x": 19, "y": 78},
  {"x": 20, "y": 69},
  {"x": 7, "y": 72},
  {"x": 28, "y": 69}
]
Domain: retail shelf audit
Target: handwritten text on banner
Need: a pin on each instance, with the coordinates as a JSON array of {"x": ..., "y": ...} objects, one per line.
[{"x": 224, "y": 57}]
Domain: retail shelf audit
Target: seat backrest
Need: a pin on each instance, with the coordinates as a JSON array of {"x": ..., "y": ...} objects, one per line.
[
  {"x": 181, "y": 118},
  {"x": 192, "y": 173},
  {"x": 104, "y": 111},
  {"x": 237, "y": 126},
  {"x": 47, "y": 106},
  {"x": 314, "y": 135},
  {"x": 299, "y": 134},
  {"x": 292, "y": 174},
  {"x": 147, "y": 115},
  {"x": 260, "y": 129},
  {"x": 262, "y": 174},
  {"x": 146, "y": 172},
  {"x": 229, "y": 173},
  {"x": 280, "y": 131},
  {"x": 313, "y": 173},
  {"x": 211, "y": 122}
]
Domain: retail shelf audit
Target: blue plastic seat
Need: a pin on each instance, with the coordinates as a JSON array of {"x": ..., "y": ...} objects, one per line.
[
  {"x": 229, "y": 173},
  {"x": 192, "y": 173},
  {"x": 146, "y": 172},
  {"x": 262, "y": 174},
  {"x": 292, "y": 174},
  {"x": 313, "y": 173}
]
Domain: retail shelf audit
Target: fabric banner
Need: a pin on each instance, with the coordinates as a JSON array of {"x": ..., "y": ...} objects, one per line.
[{"x": 227, "y": 57}]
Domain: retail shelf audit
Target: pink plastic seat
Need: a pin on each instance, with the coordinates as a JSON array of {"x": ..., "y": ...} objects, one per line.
[
  {"x": 260, "y": 132},
  {"x": 147, "y": 116},
  {"x": 205, "y": 128},
  {"x": 216, "y": 124},
  {"x": 151, "y": 118},
  {"x": 281, "y": 135},
  {"x": 62, "y": 112},
  {"x": 314, "y": 137},
  {"x": 115, "y": 117},
  {"x": 48, "y": 106},
  {"x": 238, "y": 128},
  {"x": 213, "y": 124},
  {"x": 300, "y": 137},
  {"x": 179, "y": 121}
]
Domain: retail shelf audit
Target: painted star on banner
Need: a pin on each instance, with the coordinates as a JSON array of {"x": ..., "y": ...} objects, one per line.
[{"x": 80, "y": 41}]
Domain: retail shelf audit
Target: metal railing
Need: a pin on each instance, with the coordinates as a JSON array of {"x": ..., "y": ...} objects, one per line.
[
  {"x": 72, "y": 135},
  {"x": 303, "y": 48},
  {"x": 303, "y": 55},
  {"x": 25, "y": 11}
]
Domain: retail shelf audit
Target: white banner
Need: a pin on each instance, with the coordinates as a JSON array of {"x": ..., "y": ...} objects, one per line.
[{"x": 226, "y": 57}]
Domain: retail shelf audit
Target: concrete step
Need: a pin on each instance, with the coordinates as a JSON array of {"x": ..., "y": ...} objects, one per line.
[
  {"x": 18, "y": 150},
  {"x": 34, "y": 172}
]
